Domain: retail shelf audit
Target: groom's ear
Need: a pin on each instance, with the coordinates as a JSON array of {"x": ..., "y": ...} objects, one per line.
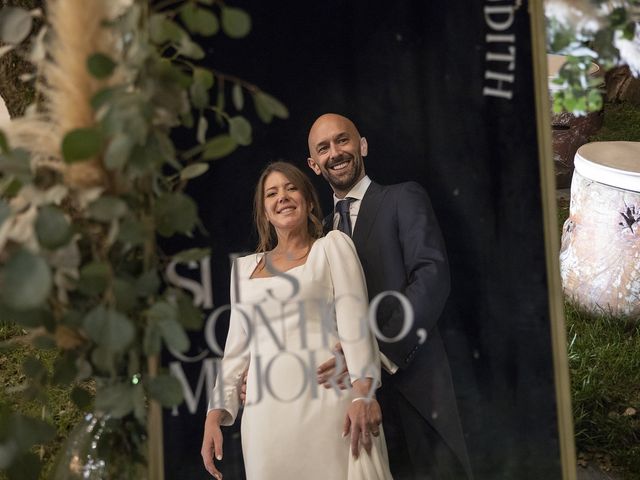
[
  {"x": 313, "y": 166},
  {"x": 364, "y": 147}
]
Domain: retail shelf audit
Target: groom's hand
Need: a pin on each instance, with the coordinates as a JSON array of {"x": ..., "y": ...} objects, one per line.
[{"x": 330, "y": 376}]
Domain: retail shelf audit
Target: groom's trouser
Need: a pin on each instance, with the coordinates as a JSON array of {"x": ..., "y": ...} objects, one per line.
[{"x": 416, "y": 449}]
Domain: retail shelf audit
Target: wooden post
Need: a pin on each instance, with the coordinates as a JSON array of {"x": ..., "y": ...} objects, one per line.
[{"x": 154, "y": 429}]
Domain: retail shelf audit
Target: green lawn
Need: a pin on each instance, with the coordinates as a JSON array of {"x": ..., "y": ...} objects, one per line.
[
  {"x": 621, "y": 122},
  {"x": 604, "y": 363}
]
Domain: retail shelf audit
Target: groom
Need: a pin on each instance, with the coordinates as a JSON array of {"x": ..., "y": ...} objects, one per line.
[{"x": 401, "y": 249}]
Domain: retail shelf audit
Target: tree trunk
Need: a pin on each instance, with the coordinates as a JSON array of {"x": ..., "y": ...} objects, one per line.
[{"x": 622, "y": 86}]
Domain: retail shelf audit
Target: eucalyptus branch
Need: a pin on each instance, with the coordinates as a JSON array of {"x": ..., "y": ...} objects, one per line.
[
  {"x": 165, "y": 4},
  {"x": 234, "y": 79},
  {"x": 192, "y": 152}
]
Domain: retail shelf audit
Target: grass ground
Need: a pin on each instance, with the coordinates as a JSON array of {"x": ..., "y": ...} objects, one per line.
[
  {"x": 621, "y": 122},
  {"x": 604, "y": 362}
]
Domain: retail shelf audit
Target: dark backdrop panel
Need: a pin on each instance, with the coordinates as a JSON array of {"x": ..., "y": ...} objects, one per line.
[{"x": 411, "y": 76}]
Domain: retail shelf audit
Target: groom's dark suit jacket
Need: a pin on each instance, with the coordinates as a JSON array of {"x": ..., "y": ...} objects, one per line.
[{"x": 401, "y": 248}]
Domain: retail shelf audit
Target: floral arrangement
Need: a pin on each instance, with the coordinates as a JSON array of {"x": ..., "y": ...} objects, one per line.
[
  {"x": 90, "y": 178},
  {"x": 587, "y": 31}
]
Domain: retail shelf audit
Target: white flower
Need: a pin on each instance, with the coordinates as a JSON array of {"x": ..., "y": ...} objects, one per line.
[
  {"x": 629, "y": 50},
  {"x": 578, "y": 15}
]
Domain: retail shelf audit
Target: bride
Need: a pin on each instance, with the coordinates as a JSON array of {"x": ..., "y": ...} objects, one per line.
[{"x": 291, "y": 302}]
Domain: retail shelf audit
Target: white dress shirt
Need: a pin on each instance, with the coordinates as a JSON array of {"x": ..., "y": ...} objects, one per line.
[{"x": 357, "y": 193}]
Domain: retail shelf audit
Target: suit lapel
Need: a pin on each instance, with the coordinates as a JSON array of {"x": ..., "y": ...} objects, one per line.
[{"x": 369, "y": 208}]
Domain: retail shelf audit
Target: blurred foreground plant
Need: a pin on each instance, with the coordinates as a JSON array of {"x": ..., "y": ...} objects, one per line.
[
  {"x": 587, "y": 32},
  {"x": 90, "y": 177}
]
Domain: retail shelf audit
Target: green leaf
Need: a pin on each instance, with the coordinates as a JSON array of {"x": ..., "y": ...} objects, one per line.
[
  {"x": 162, "y": 311},
  {"x": 131, "y": 231},
  {"x": 5, "y": 211},
  {"x": 218, "y": 147},
  {"x": 17, "y": 164},
  {"x": 15, "y": 25},
  {"x": 26, "y": 281},
  {"x": 100, "y": 65},
  {"x": 191, "y": 49},
  {"x": 94, "y": 278},
  {"x": 118, "y": 151},
  {"x": 166, "y": 389},
  {"x": 618, "y": 17},
  {"x": 174, "y": 335},
  {"x": 267, "y": 103},
  {"x": 116, "y": 400},
  {"x": 165, "y": 315},
  {"x": 175, "y": 213},
  {"x": 190, "y": 316},
  {"x": 4, "y": 144},
  {"x": 109, "y": 328},
  {"x": 32, "y": 367},
  {"x": 27, "y": 318},
  {"x": 199, "y": 95},
  {"x": 81, "y": 397},
  {"x": 187, "y": 120},
  {"x": 29, "y": 431},
  {"x": 26, "y": 466},
  {"x": 52, "y": 227},
  {"x": 103, "y": 360},
  {"x": 165, "y": 146},
  {"x": 162, "y": 30},
  {"x": 236, "y": 23},
  {"x": 237, "y": 96},
  {"x": 102, "y": 96},
  {"x": 203, "y": 126},
  {"x": 204, "y": 77},
  {"x": 208, "y": 24},
  {"x": 148, "y": 283},
  {"x": 81, "y": 144},
  {"x": 194, "y": 170},
  {"x": 220, "y": 101},
  {"x": 189, "y": 15},
  {"x": 629, "y": 31},
  {"x": 199, "y": 20},
  {"x": 240, "y": 130},
  {"x": 107, "y": 208},
  {"x": 125, "y": 294},
  {"x": 44, "y": 342},
  {"x": 12, "y": 189},
  {"x": 262, "y": 109},
  {"x": 192, "y": 255},
  {"x": 152, "y": 342},
  {"x": 64, "y": 369}
]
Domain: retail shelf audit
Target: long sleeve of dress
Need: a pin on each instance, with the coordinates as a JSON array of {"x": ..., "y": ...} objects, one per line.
[
  {"x": 226, "y": 392},
  {"x": 351, "y": 305}
]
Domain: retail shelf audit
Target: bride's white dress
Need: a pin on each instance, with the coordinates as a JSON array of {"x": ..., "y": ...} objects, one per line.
[{"x": 284, "y": 327}]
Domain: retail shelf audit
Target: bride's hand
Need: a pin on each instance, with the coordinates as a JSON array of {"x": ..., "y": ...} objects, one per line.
[
  {"x": 212, "y": 442},
  {"x": 363, "y": 418}
]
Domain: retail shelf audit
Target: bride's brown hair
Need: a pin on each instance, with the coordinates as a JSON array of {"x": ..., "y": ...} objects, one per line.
[{"x": 266, "y": 233}]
